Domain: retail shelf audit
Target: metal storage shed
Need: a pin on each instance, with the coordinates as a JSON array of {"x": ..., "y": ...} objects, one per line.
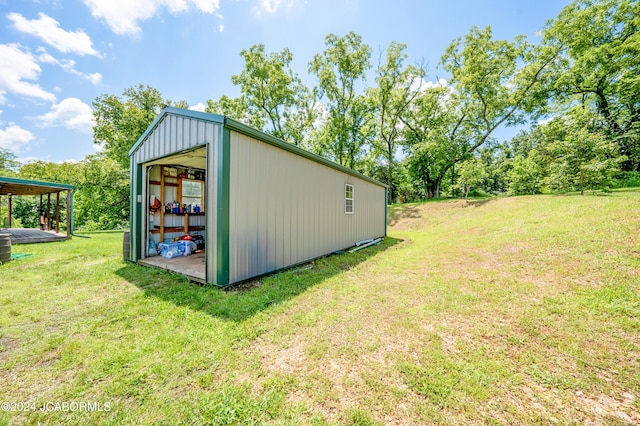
[{"x": 265, "y": 204}]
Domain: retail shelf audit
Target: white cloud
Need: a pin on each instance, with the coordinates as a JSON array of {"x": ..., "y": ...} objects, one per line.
[
  {"x": 16, "y": 67},
  {"x": 124, "y": 16},
  {"x": 68, "y": 65},
  {"x": 272, "y": 6},
  {"x": 198, "y": 107},
  {"x": 422, "y": 85},
  {"x": 71, "y": 113},
  {"x": 94, "y": 77},
  {"x": 48, "y": 30},
  {"x": 30, "y": 159},
  {"x": 15, "y": 137}
]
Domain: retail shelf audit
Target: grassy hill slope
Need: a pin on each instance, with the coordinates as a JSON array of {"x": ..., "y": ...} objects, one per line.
[{"x": 506, "y": 311}]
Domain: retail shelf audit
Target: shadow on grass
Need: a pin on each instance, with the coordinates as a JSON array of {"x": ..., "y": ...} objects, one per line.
[
  {"x": 242, "y": 301},
  {"x": 477, "y": 202},
  {"x": 403, "y": 211}
]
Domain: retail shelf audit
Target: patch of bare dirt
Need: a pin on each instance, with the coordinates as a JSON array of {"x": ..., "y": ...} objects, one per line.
[{"x": 7, "y": 345}]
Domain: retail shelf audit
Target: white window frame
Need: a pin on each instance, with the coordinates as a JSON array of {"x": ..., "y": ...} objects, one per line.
[{"x": 348, "y": 188}]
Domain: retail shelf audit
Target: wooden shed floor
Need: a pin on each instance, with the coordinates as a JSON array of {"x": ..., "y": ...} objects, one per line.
[
  {"x": 193, "y": 266},
  {"x": 28, "y": 236}
]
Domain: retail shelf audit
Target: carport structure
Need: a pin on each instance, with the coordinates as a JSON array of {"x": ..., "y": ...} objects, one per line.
[{"x": 49, "y": 213}]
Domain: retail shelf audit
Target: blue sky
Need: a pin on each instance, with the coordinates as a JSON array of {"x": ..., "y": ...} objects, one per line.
[{"x": 57, "y": 56}]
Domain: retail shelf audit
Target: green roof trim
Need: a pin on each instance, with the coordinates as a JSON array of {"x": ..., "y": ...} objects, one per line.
[
  {"x": 248, "y": 131},
  {"x": 7, "y": 182}
]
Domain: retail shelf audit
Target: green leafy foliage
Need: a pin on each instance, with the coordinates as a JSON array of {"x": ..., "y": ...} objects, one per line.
[
  {"x": 580, "y": 154},
  {"x": 423, "y": 140},
  {"x": 8, "y": 163},
  {"x": 470, "y": 175},
  {"x": 273, "y": 92},
  {"x": 525, "y": 175},
  {"x": 120, "y": 121},
  {"x": 102, "y": 197},
  {"x": 398, "y": 86},
  {"x": 340, "y": 69},
  {"x": 599, "y": 67}
]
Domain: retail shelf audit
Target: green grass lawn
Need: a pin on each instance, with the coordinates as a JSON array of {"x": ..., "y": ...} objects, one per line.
[{"x": 522, "y": 310}]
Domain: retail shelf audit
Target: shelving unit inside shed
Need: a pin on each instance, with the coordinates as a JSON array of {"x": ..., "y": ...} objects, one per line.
[{"x": 180, "y": 193}]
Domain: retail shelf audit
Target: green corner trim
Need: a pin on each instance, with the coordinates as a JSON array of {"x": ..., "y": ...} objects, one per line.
[
  {"x": 137, "y": 238},
  {"x": 386, "y": 203},
  {"x": 222, "y": 243}
]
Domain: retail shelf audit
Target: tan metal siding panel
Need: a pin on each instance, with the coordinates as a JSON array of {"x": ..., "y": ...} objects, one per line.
[{"x": 286, "y": 209}]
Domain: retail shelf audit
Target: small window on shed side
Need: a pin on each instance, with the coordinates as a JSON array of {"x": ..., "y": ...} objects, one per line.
[{"x": 348, "y": 198}]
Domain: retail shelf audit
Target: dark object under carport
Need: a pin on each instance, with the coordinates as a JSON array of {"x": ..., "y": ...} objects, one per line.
[{"x": 5, "y": 248}]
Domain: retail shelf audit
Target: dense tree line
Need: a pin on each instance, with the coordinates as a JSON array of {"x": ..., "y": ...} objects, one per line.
[{"x": 577, "y": 90}]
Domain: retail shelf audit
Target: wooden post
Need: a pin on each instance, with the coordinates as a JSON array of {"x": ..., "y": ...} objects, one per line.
[
  {"x": 10, "y": 208},
  {"x": 41, "y": 213},
  {"x": 57, "y": 212},
  {"x": 69, "y": 212},
  {"x": 48, "y": 218}
]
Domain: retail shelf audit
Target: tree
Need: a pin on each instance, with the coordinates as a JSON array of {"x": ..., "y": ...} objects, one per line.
[
  {"x": 102, "y": 197},
  {"x": 599, "y": 67},
  {"x": 236, "y": 108},
  {"x": 339, "y": 69},
  {"x": 272, "y": 91},
  {"x": 471, "y": 174},
  {"x": 8, "y": 163},
  {"x": 582, "y": 156},
  {"x": 120, "y": 122},
  {"x": 493, "y": 84},
  {"x": 397, "y": 87},
  {"x": 433, "y": 136},
  {"x": 525, "y": 176}
]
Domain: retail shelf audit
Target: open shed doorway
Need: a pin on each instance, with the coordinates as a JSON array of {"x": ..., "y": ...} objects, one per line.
[{"x": 176, "y": 216}]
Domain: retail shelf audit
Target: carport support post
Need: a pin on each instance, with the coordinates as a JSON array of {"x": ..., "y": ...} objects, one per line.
[
  {"x": 48, "y": 212},
  {"x": 68, "y": 213},
  {"x": 10, "y": 207},
  {"x": 57, "y": 212}
]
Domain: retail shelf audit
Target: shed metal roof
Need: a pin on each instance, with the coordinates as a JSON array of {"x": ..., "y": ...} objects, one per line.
[
  {"x": 15, "y": 186},
  {"x": 248, "y": 131}
]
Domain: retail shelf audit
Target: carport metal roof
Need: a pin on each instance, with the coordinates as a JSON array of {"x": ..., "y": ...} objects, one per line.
[{"x": 14, "y": 186}]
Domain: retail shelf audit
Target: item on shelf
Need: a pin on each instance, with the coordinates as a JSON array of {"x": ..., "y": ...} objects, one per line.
[{"x": 154, "y": 203}]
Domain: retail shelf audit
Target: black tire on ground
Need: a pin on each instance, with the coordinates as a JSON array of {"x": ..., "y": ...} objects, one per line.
[
  {"x": 126, "y": 247},
  {"x": 5, "y": 248}
]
